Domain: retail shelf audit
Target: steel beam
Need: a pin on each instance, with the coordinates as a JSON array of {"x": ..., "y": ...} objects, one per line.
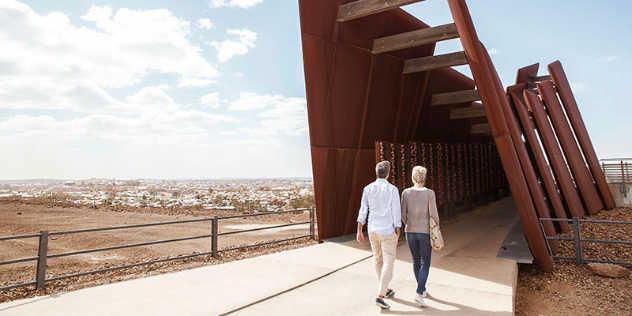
[
  {"x": 534, "y": 146},
  {"x": 434, "y": 62},
  {"x": 572, "y": 110},
  {"x": 571, "y": 150},
  {"x": 455, "y": 97},
  {"x": 492, "y": 95},
  {"x": 415, "y": 38},
  {"x": 361, "y": 8},
  {"x": 556, "y": 159}
]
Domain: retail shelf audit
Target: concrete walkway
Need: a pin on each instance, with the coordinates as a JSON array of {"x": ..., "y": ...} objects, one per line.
[{"x": 332, "y": 278}]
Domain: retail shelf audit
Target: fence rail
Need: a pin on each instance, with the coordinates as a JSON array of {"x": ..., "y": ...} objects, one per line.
[
  {"x": 44, "y": 235},
  {"x": 617, "y": 170},
  {"x": 577, "y": 240}
]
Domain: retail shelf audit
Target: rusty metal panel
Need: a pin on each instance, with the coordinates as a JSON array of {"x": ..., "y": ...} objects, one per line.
[
  {"x": 571, "y": 149},
  {"x": 492, "y": 95},
  {"x": 572, "y": 110},
  {"x": 323, "y": 175},
  {"x": 384, "y": 99},
  {"x": 317, "y": 57},
  {"x": 354, "y": 98},
  {"x": 554, "y": 154},
  {"x": 537, "y": 155},
  {"x": 348, "y": 93}
]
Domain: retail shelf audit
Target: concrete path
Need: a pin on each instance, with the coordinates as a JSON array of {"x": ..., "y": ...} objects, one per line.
[{"x": 332, "y": 278}]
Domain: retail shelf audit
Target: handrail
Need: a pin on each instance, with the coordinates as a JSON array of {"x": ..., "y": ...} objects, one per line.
[{"x": 44, "y": 235}]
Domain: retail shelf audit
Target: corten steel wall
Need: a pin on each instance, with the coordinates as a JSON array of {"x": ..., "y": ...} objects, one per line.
[{"x": 355, "y": 98}]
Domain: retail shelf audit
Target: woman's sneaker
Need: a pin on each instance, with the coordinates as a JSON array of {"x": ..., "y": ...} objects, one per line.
[
  {"x": 420, "y": 300},
  {"x": 424, "y": 294},
  {"x": 389, "y": 293},
  {"x": 381, "y": 303}
]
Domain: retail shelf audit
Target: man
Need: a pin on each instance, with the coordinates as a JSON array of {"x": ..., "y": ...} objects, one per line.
[{"x": 380, "y": 201}]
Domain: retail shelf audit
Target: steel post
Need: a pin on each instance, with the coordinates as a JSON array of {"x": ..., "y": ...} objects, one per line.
[{"x": 42, "y": 253}]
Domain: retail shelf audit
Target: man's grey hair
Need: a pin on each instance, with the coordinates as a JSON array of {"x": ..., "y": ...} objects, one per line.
[{"x": 382, "y": 168}]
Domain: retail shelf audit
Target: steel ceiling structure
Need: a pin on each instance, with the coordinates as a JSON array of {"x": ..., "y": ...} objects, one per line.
[{"x": 371, "y": 75}]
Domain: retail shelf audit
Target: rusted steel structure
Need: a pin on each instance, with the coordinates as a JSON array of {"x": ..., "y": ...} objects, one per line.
[{"x": 376, "y": 91}]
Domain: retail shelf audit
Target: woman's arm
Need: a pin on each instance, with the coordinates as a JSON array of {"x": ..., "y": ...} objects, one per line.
[{"x": 433, "y": 207}]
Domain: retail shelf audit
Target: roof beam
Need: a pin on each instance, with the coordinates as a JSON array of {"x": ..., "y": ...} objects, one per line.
[
  {"x": 542, "y": 78},
  {"x": 480, "y": 129},
  {"x": 360, "y": 8},
  {"x": 415, "y": 38},
  {"x": 468, "y": 112},
  {"x": 455, "y": 97},
  {"x": 434, "y": 62}
]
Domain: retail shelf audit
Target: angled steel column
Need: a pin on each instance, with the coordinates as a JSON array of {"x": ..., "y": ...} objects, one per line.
[
  {"x": 527, "y": 167},
  {"x": 556, "y": 159},
  {"x": 571, "y": 149},
  {"x": 536, "y": 151},
  {"x": 492, "y": 97},
  {"x": 572, "y": 110}
]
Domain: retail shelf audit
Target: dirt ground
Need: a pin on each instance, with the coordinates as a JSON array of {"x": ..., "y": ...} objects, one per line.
[
  {"x": 571, "y": 289},
  {"x": 566, "y": 290},
  {"x": 19, "y": 218}
]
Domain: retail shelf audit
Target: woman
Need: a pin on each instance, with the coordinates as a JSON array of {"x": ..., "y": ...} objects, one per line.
[{"x": 416, "y": 201}]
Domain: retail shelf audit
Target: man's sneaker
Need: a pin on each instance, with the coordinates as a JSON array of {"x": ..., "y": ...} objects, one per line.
[
  {"x": 381, "y": 303},
  {"x": 389, "y": 293},
  {"x": 424, "y": 294},
  {"x": 420, "y": 300}
]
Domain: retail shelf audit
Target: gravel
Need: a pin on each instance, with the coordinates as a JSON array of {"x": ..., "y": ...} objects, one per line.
[{"x": 571, "y": 289}]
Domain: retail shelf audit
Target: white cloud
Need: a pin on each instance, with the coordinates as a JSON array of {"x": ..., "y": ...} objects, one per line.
[
  {"x": 493, "y": 51},
  {"x": 211, "y": 100},
  {"x": 578, "y": 87},
  {"x": 251, "y": 101},
  {"x": 152, "y": 99},
  {"x": 194, "y": 82},
  {"x": 244, "y": 4},
  {"x": 49, "y": 63},
  {"x": 205, "y": 24},
  {"x": 239, "y": 75},
  {"x": 609, "y": 58},
  {"x": 288, "y": 116},
  {"x": 281, "y": 114},
  {"x": 230, "y": 48}
]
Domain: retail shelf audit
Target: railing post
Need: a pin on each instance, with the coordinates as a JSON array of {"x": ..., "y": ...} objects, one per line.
[
  {"x": 311, "y": 222},
  {"x": 214, "y": 237},
  {"x": 578, "y": 242},
  {"x": 42, "y": 253}
]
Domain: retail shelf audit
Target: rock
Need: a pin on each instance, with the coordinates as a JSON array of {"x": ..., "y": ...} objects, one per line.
[{"x": 608, "y": 270}]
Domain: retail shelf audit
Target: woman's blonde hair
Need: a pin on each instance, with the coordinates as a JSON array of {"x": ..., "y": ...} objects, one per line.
[{"x": 419, "y": 174}]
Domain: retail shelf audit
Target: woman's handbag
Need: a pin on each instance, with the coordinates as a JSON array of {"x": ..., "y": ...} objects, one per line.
[{"x": 436, "y": 239}]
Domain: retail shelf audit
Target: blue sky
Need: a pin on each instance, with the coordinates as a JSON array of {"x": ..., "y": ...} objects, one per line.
[{"x": 215, "y": 89}]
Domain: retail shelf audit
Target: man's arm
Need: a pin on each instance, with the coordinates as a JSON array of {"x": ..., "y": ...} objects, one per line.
[
  {"x": 364, "y": 211},
  {"x": 396, "y": 210}
]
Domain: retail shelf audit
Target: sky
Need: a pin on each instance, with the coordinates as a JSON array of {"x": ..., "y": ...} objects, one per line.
[{"x": 215, "y": 89}]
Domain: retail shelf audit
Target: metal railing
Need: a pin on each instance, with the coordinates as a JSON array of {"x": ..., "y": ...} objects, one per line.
[
  {"x": 44, "y": 235},
  {"x": 577, "y": 240},
  {"x": 617, "y": 170}
]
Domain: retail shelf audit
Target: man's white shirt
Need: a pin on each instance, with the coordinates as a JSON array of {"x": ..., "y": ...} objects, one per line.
[{"x": 380, "y": 200}]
